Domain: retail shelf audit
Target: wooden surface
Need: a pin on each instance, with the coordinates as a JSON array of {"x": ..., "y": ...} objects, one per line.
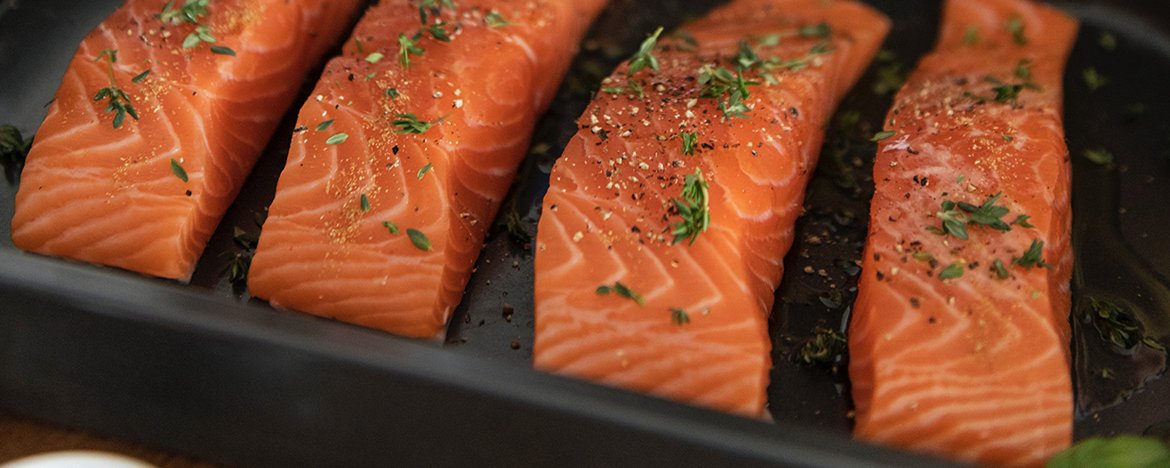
[{"x": 21, "y": 438}]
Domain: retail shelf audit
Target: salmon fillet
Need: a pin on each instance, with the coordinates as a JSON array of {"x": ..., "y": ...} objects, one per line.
[
  {"x": 410, "y": 141},
  {"x": 661, "y": 241},
  {"x": 959, "y": 341},
  {"x": 161, "y": 115}
]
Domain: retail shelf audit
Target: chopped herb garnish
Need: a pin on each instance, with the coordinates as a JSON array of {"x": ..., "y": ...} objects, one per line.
[
  {"x": 1033, "y": 256},
  {"x": 730, "y": 90},
  {"x": 337, "y": 139},
  {"x": 139, "y": 77},
  {"x": 393, "y": 228},
  {"x": 364, "y": 202},
  {"x": 178, "y": 170},
  {"x": 821, "y": 30},
  {"x": 1107, "y": 41},
  {"x": 824, "y": 348},
  {"x": 890, "y": 78},
  {"x": 971, "y": 36},
  {"x": 221, "y": 50},
  {"x": 988, "y": 214},
  {"x": 392, "y": 93},
  {"x": 632, "y": 87},
  {"x": 321, "y": 127},
  {"x": 201, "y": 34},
  {"x": 952, "y": 271},
  {"x": 432, "y": 8},
  {"x": 119, "y": 101},
  {"x": 425, "y": 169},
  {"x": 439, "y": 31},
  {"x": 622, "y": 291},
  {"x": 1093, "y": 79},
  {"x": 375, "y": 57},
  {"x": 693, "y": 208},
  {"x": 1007, "y": 138},
  {"x": 879, "y": 136},
  {"x": 419, "y": 239},
  {"x": 1000, "y": 271},
  {"x": 190, "y": 12},
  {"x": 495, "y": 20},
  {"x": 1024, "y": 69},
  {"x": 645, "y": 58},
  {"x": 1016, "y": 27},
  {"x": 407, "y": 47},
  {"x": 923, "y": 256},
  {"x": 1022, "y": 221},
  {"x": 1117, "y": 325},
  {"x": 240, "y": 260},
  {"x": 13, "y": 151},
  {"x": 1099, "y": 156},
  {"x": 409, "y": 123},
  {"x": 679, "y": 316},
  {"x": 688, "y": 142},
  {"x": 956, "y": 216}
]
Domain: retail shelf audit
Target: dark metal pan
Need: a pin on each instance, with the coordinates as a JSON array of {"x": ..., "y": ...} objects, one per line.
[{"x": 202, "y": 369}]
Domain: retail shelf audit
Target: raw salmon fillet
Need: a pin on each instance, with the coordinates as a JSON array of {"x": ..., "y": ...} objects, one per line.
[
  {"x": 107, "y": 186},
  {"x": 409, "y": 143},
  {"x": 620, "y": 298},
  {"x": 959, "y": 342}
]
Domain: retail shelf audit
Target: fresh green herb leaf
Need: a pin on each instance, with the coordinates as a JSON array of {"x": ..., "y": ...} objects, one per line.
[
  {"x": 1016, "y": 27},
  {"x": 221, "y": 50},
  {"x": 392, "y": 93},
  {"x": 1115, "y": 324},
  {"x": 988, "y": 214},
  {"x": 688, "y": 141},
  {"x": 632, "y": 86},
  {"x": 375, "y": 57},
  {"x": 1118, "y": 452},
  {"x": 1024, "y": 69},
  {"x": 13, "y": 151},
  {"x": 645, "y": 58},
  {"x": 428, "y": 9},
  {"x": 879, "y": 136},
  {"x": 952, "y": 271},
  {"x": 439, "y": 31},
  {"x": 419, "y": 239},
  {"x": 1093, "y": 79},
  {"x": 693, "y": 208},
  {"x": 321, "y": 127},
  {"x": 364, "y": 202},
  {"x": 770, "y": 40},
  {"x": 406, "y": 48},
  {"x": 890, "y": 78},
  {"x": 190, "y": 12},
  {"x": 923, "y": 257},
  {"x": 240, "y": 260},
  {"x": 337, "y": 139},
  {"x": 201, "y": 35},
  {"x": 971, "y": 36},
  {"x": 1000, "y": 271},
  {"x": 1007, "y": 138},
  {"x": 622, "y": 291},
  {"x": 409, "y": 123},
  {"x": 821, "y": 30},
  {"x": 393, "y": 228},
  {"x": 139, "y": 77},
  {"x": 825, "y": 348},
  {"x": 679, "y": 316},
  {"x": 1099, "y": 156},
  {"x": 1107, "y": 41},
  {"x": 1032, "y": 258},
  {"x": 730, "y": 90},
  {"x": 495, "y": 20},
  {"x": 118, "y": 101},
  {"x": 1022, "y": 221},
  {"x": 425, "y": 169},
  {"x": 178, "y": 170}
]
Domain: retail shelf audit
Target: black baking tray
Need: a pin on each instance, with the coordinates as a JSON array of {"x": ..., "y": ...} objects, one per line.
[{"x": 203, "y": 369}]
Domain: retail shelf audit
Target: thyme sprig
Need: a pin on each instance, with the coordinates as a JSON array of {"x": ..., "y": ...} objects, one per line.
[
  {"x": 694, "y": 208},
  {"x": 118, "y": 101}
]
